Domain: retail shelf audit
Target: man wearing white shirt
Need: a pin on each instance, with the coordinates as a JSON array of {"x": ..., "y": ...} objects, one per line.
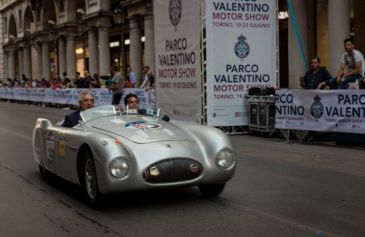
[{"x": 352, "y": 66}]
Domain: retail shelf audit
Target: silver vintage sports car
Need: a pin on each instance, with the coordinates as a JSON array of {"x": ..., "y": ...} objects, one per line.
[{"x": 111, "y": 152}]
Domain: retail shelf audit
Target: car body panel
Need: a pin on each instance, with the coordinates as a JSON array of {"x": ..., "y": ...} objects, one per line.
[{"x": 142, "y": 140}]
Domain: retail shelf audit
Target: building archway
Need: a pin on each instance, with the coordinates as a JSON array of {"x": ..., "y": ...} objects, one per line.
[
  {"x": 12, "y": 29},
  {"x": 28, "y": 21},
  {"x": 50, "y": 14}
]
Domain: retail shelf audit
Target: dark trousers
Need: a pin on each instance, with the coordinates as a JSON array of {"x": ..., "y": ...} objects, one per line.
[{"x": 344, "y": 84}]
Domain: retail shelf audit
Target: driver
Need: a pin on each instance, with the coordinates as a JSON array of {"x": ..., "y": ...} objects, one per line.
[{"x": 86, "y": 101}]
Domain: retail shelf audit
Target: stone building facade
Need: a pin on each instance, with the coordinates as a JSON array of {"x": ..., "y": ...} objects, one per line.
[{"x": 44, "y": 38}]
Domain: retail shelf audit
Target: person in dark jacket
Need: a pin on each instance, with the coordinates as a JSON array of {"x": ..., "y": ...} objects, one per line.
[
  {"x": 316, "y": 76},
  {"x": 86, "y": 101}
]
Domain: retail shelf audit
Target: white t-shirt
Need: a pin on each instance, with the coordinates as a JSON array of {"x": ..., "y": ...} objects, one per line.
[{"x": 350, "y": 60}]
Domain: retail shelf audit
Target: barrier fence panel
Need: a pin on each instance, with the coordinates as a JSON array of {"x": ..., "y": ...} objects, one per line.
[
  {"x": 321, "y": 110},
  {"x": 71, "y": 96}
]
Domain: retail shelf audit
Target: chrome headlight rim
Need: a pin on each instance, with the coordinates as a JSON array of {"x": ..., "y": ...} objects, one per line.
[
  {"x": 121, "y": 165},
  {"x": 225, "y": 155}
]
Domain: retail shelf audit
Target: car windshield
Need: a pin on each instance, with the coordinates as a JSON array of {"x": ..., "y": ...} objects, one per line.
[{"x": 98, "y": 112}]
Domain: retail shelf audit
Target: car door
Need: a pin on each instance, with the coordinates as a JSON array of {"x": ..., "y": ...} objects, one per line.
[{"x": 50, "y": 145}]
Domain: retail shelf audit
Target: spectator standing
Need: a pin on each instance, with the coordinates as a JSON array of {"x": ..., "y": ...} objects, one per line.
[
  {"x": 95, "y": 81},
  {"x": 315, "y": 76},
  {"x": 81, "y": 82},
  {"x": 131, "y": 76},
  {"x": 66, "y": 82},
  {"x": 116, "y": 86},
  {"x": 78, "y": 80},
  {"x": 87, "y": 80},
  {"x": 45, "y": 83},
  {"x": 128, "y": 84},
  {"x": 55, "y": 84},
  {"x": 107, "y": 81},
  {"x": 146, "y": 81}
]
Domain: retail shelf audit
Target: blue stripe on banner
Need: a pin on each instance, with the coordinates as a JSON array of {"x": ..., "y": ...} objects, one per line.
[{"x": 295, "y": 26}]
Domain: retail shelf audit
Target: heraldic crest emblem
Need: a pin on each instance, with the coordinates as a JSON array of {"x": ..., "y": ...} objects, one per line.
[
  {"x": 175, "y": 9},
  {"x": 241, "y": 48},
  {"x": 317, "y": 108}
]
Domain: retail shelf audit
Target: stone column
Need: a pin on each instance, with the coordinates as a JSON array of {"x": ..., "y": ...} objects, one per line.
[
  {"x": 135, "y": 49},
  {"x": 322, "y": 32},
  {"x": 296, "y": 65},
  {"x": 338, "y": 30},
  {"x": 39, "y": 62},
  {"x": 11, "y": 64},
  {"x": 27, "y": 62},
  {"x": 6, "y": 68},
  {"x": 149, "y": 44},
  {"x": 61, "y": 56},
  {"x": 359, "y": 20},
  {"x": 70, "y": 56},
  {"x": 93, "y": 52},
  {"x": 46, "y": 73},
  {"x": 20, "y": 62},
  {"x": 104, "y": 51},
  {"x": 122, "y": 57}
]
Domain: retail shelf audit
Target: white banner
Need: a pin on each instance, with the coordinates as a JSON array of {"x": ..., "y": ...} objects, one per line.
[
  {"x": 178, "y": 61},
  {"x": 241, "y": 53},
  {"x": 71, "y": 96},
  {"x": 321, "y": 110}
]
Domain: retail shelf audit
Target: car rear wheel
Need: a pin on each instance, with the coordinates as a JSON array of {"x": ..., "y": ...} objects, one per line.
[
  {"x": 90, "y": 181},
  {"x": 211, "y": 190}
]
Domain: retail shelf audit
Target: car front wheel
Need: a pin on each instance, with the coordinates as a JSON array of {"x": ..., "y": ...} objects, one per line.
[
  {"x": 44, "y": 173},
  {"x": 90, "y": 182},
  {"x": 211, "y": 190}
]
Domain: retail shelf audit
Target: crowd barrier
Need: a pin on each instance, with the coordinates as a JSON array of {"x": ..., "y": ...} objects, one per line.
[
  {"x": 321, "y": 110},
  {"x": 70, "y": 96}
]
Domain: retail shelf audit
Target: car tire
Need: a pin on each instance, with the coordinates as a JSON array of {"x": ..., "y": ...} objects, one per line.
[
  {"x": 90, "y": 181},
  {"x": 211, "y": 190}
]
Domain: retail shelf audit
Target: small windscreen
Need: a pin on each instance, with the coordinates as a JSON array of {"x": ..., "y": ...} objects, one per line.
[{"x": 98, "y": 112}]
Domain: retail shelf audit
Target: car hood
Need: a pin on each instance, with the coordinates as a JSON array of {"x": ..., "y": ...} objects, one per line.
[{"x": 140, "y": 129}]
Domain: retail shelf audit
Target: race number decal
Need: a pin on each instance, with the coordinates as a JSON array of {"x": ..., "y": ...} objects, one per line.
[
  {"x": 61, "y": 148},
  {"x": 141, "y": 125},
  {"x": 50, "y": 149}
]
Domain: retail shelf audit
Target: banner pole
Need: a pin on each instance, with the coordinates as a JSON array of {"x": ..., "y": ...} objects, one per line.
[{"x": 295, "y": 26}]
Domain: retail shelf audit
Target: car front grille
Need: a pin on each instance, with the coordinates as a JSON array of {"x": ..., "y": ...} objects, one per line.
[{"x": 172, "y": 170}]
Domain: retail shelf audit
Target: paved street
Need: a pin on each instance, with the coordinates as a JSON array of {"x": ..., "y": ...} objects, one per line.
[{"x": 279, "y": 189}]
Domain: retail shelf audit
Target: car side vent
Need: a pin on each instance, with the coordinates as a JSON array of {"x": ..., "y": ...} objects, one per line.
[{"x": 172, "y": 170}]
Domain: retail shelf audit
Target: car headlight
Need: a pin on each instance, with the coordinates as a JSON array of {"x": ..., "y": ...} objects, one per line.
[
  {"x": 224, "y": 159},
  {"x": 119, "y": 168}
]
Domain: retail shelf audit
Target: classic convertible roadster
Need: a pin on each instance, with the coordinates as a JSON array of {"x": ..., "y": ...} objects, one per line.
[{"x": 111, "y": 152}]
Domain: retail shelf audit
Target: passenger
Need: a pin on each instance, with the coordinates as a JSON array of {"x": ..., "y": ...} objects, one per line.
[
  {"x": 132, "y": 101},
  {"x": 86, "y": 101},
  {"x": 117, "y": 86}
]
